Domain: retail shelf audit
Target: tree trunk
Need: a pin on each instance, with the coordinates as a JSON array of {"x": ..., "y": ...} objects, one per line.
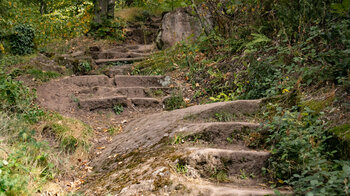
[
  {"x": 104, "y": 9},
  {"x": 43, "y": 7}
]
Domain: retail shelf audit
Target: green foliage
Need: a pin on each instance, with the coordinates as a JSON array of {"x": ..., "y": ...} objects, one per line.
[
  {"x": 37, "y": 74},
  {"x": 175, "y": 101},
  {"x": 62, "y": 19},
  {"x": 118, "y": 109},
  {"x": 108, "y": 29},
  {"x": 22, "y": 40},
  {"x": 13, "y": 95},
  {"x": 300, "y": 155},
  {"x": 12, "y": 182},
  {"x": 155, "y": 6},
  {"x": 219, "y": 175},
  {"x": 81, "y": 68},
  {"x": 181, "y": 168}
]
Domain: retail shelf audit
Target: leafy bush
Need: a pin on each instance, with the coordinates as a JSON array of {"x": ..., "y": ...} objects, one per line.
[
  {"x": 107, "y": 29},
  {"x": 22, "y": 40},
  {"x": 300, "y": 155},
  {"x": 13, "y": 95},
  {"x": 118, "y": 109},
  {"x": 81, "y": 68},
  {"x": 175, "y": 101}
]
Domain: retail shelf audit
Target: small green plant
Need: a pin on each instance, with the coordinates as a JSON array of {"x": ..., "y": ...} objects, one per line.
[
  {"x": 243, "y": 174},
  {"x": 178, "y": 139},
  {"x": 113, "y": 130},
  {"x": 118, "y": 109},
  {"x": 181, "y": 168},
  {"x": 220, "y": 175},
  {"x": 222, "y": 97},
  {"x": 224, "y": 116},
  {"x": 75, "y": 99},
  {"x": 230, "y": 140},
  {"x": 82, "y": 68},
  {"x": 175, "y": 101}
]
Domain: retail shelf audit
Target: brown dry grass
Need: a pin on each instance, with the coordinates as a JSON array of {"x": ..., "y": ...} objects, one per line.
[{"x": 129, "y": 14}]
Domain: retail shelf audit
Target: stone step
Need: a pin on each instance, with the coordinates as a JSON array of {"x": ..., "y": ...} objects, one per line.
[
  {"x": 89, "y": 81},
  {"x": 117, "y": 55},
  {"x": 207, "y": 161},
  {"x": 102, "y": 102},
  {"x": 104, "y": 61},
  {"x": 240, "y": 110},
  {"x": 118, "y": 70},
  {"x": 131, "y": 92},
  {"x": 140, "y": 81},
  {"x": 217, "y": 133},
  {"x": 217, "y": 190},
  {"x": 140, "y": 48},
  {"x": 146, "y": 102}
]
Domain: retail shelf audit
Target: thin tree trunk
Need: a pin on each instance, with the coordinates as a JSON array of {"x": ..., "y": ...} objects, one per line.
[{"x": 104, "y": 9}]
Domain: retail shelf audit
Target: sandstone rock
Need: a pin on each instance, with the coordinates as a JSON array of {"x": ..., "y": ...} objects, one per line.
[
  {"x": 178, "y": 26},
  {"x": 181, "y": 25}
]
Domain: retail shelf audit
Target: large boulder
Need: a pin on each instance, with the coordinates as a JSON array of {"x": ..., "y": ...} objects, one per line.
[{"x": 181, "y": 24}]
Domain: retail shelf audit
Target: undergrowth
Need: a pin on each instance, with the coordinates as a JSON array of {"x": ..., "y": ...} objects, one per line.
[
  {"x": 36, "y": 146},
  {"x": 302, "y": 155}
]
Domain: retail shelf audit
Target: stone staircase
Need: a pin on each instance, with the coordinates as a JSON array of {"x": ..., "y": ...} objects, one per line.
[
  {"x": 102, "y": 92},
  {"x": 123, "y": 54},
  {"x": 214, "y": 158}
]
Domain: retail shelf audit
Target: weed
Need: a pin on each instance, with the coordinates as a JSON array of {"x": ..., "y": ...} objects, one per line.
[
  {"x": 243, "y": 174},
  {"x": 118, "y": 109},
  {"x": 224, "y": 116},
  {"x": 175, "y": 101},
  {"x": 220, "y": 175},
  {"x": 38, "y": 75},
  {"x": 113, "y": 130},
  {"x": 181, "y": 168},
  {"x": 82, "y": 68},
  {"x": 178, "y": 139},
  {"x": 75, "y": 99}
]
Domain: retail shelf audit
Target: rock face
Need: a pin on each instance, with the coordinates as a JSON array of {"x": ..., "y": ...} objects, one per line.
[{"x": 177, "y": 26}]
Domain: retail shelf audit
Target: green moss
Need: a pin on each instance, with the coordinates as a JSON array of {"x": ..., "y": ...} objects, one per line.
[{"x": 317, "y": 105}]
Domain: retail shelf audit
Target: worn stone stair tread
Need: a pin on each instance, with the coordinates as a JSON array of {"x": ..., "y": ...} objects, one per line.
[
  {"x": 89, "y": 80},
  {"x": 102, "y": 102},
  {"x": 216, "y": 190},
  {"x": 191, "y": 128},
  {"x": 101, "y": 61},
  {"x": 233, "y": 161},
  {"x": 117, "y": 55},
  {"x": 218, "y": 151},
  {"x": 133, "y": 47},
  {"x": 145, "y": 102},
  {"x": 135, "y": 81},
  {"x": 140, "y": 91},
  {"x": 118, "y": 70}
]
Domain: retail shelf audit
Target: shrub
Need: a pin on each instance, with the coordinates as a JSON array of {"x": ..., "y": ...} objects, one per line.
[
  {"x": 81, "y": 68},
  {"x": 175, "y": 101},
  {"x": 22, "y": 40},
  {"x": 13, "y": 95},
  {"x": 300, "y": 156}
]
